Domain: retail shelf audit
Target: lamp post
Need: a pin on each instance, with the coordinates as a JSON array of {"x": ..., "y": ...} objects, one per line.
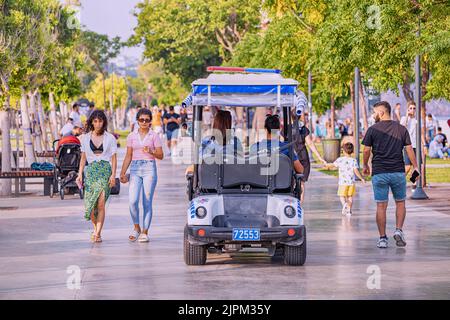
[
  {"x": 418, "y": 193},
  {"x": 356, "y": 124},
  {"x": 311, "y": 158}
]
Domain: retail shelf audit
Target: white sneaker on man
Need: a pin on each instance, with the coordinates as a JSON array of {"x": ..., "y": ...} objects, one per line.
[
  {"x": 382, "y": 243},
  {"x": 399, "y": 237}
]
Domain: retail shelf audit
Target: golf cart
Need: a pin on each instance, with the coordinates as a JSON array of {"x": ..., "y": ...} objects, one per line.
[{"x": 239, "y": 204}]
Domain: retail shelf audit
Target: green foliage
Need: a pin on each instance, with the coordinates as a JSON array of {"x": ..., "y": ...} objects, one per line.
[
  {"x": 95, "y": 92},
  {"x": 188, "y": 35},
  {"x": 100, "y": 49},
  {"x": 167, "y": 88}
]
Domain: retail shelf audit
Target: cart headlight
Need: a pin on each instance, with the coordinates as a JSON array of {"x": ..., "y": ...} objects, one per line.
[
  {"x": 289, "y": 211},
  {"x": 200, "y": 212}
]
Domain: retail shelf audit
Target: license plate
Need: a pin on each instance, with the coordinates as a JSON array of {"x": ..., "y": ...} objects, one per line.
[{"x": 246, "y": 234}]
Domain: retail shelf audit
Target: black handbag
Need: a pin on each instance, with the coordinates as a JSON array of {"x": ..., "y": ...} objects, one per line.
[{"x": 116, "y": 188}]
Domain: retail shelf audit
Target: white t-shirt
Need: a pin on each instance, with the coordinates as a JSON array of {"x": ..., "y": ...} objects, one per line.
[
  {"x": 346, "y": 167},
  {"x": 109, "y": 147},
  {"x": 411, "y": 126},
  {"x": 75, "y": 116},
  {"x": 66, "y": 129},
  {"x": 431, "y": 124}
]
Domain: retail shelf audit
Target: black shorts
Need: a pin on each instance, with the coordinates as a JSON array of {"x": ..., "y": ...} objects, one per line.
[{"x": 406, "y": 158}]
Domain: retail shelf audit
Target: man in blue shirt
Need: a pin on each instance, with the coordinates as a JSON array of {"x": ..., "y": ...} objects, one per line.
[{"x": 272, "y": 125}]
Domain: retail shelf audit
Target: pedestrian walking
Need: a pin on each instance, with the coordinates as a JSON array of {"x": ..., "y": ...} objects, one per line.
[
  {"x": 386, "y": 140},
  {"x": 172, "y": 121},
  {"x": 301, "y": 138},
  {"x": 410, "y": 122},
  {"x": 348, "y": 168},
  {"x": 143, "y": 148},
  {"x": 99, "y": 149}
]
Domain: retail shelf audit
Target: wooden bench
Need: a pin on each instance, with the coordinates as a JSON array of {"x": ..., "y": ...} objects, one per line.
[{"x": 22, "y": 174}]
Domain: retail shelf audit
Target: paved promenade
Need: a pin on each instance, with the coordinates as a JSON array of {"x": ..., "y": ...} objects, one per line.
[{"x": 42, "y": 237}]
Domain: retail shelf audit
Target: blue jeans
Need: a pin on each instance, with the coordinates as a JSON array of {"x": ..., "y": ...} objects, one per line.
[
  {"x": 143, "y": 178},
  {"x": 383, "y": 181}
]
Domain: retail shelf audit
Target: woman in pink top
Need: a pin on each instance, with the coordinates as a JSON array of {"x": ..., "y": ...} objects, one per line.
[{"x": 143, "y": 147}]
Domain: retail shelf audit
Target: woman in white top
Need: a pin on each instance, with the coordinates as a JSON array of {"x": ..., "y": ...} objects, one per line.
[{"x": 99, "y": 149}]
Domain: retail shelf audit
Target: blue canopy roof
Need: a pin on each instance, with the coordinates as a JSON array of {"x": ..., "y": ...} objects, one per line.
[{"x": 267, "y": 89}]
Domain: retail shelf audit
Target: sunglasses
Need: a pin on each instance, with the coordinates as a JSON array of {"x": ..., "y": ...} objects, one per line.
[{"x": 141, "y": 120}]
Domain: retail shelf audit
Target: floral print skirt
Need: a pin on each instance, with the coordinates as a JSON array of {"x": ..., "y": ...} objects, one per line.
[{"x": 96, "y": 182}]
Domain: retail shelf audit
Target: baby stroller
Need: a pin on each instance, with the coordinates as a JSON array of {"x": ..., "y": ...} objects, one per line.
[{"x": 67, "y": 161}]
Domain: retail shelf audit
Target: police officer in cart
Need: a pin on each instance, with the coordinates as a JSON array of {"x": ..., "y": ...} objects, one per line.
[{"x": 302, "y": 138}]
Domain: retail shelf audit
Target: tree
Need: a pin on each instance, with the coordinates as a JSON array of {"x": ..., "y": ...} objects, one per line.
[
  {"x": 21, "y": 23},
  {"x": 95, "y": 92},
  {"x": 34, "y": 49},
  {"x": 101, "y": 50},
  {"x": 189, "y": 35},
  {"x": 166, "y": 87}
]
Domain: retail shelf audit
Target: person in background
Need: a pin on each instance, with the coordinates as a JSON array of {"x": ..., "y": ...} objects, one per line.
[
  {"x": 157, "y": 121},
  {"x": 431, "y": 128},
  {"x": 396, "y": 114},
  {"x": 349, "y": 125},
  {"x": 76, "y": 131},
  {"x": 183, "y": 115},
  {"x": 67, "y": 128},
  {"x": 386, "y": 140},
  {"x": 172, "y": 121},
  {"x": 301, "y": 138},
  {"x": 317, "y": 131},
  {"x": 133, "y": 119},
  {"x": 272, "y": 126},
  {"x": 436, "y": 149},
  {"x": 99, "y": 150},
  {"x": 91, "y": 109},
  {"x": 409, "y": 121},
  {"x": 439, "y": 132},
  {"x": 75, "y": 115}
]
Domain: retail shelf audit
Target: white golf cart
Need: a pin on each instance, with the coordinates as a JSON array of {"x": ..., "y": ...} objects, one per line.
[{"x": 239, "y": 203}]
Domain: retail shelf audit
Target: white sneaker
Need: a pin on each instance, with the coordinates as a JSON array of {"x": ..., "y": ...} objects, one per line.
[
  {"x": 143, "y": 238},
  {"x": 399, "y": 237},
  {"x": 382, "y": 243}
]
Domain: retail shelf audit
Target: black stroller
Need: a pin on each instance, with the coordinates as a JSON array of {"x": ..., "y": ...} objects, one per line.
[{"x": 67, "y": 161}]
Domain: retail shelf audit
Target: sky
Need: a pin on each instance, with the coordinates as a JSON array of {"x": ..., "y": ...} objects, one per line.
[{"x": 111, "y": 17}]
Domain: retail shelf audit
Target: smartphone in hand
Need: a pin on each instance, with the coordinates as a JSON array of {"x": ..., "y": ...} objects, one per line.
[{"x": 414, "y": 176}]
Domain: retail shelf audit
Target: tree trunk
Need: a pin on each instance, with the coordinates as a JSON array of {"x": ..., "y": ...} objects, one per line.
[
  {"x": 53, "y": 117},
  {"x": 26, "y": 128},
  {"x": 333, "y": 115},
  {"x": 362, "y": 101},
  {"x": 406, "y": 89},
  {"x": 35, "y": 127},
  {"x": 112, "y": 118},
  {"x": 43, "y": 121},
  {"x": 104, "y": 91},
  {"x": 5, "y": 184},
  {"x": 63, "y": 111}
]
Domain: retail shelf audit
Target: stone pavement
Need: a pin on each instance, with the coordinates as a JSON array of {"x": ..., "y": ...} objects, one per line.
[{"x": 42, "y": 237}]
